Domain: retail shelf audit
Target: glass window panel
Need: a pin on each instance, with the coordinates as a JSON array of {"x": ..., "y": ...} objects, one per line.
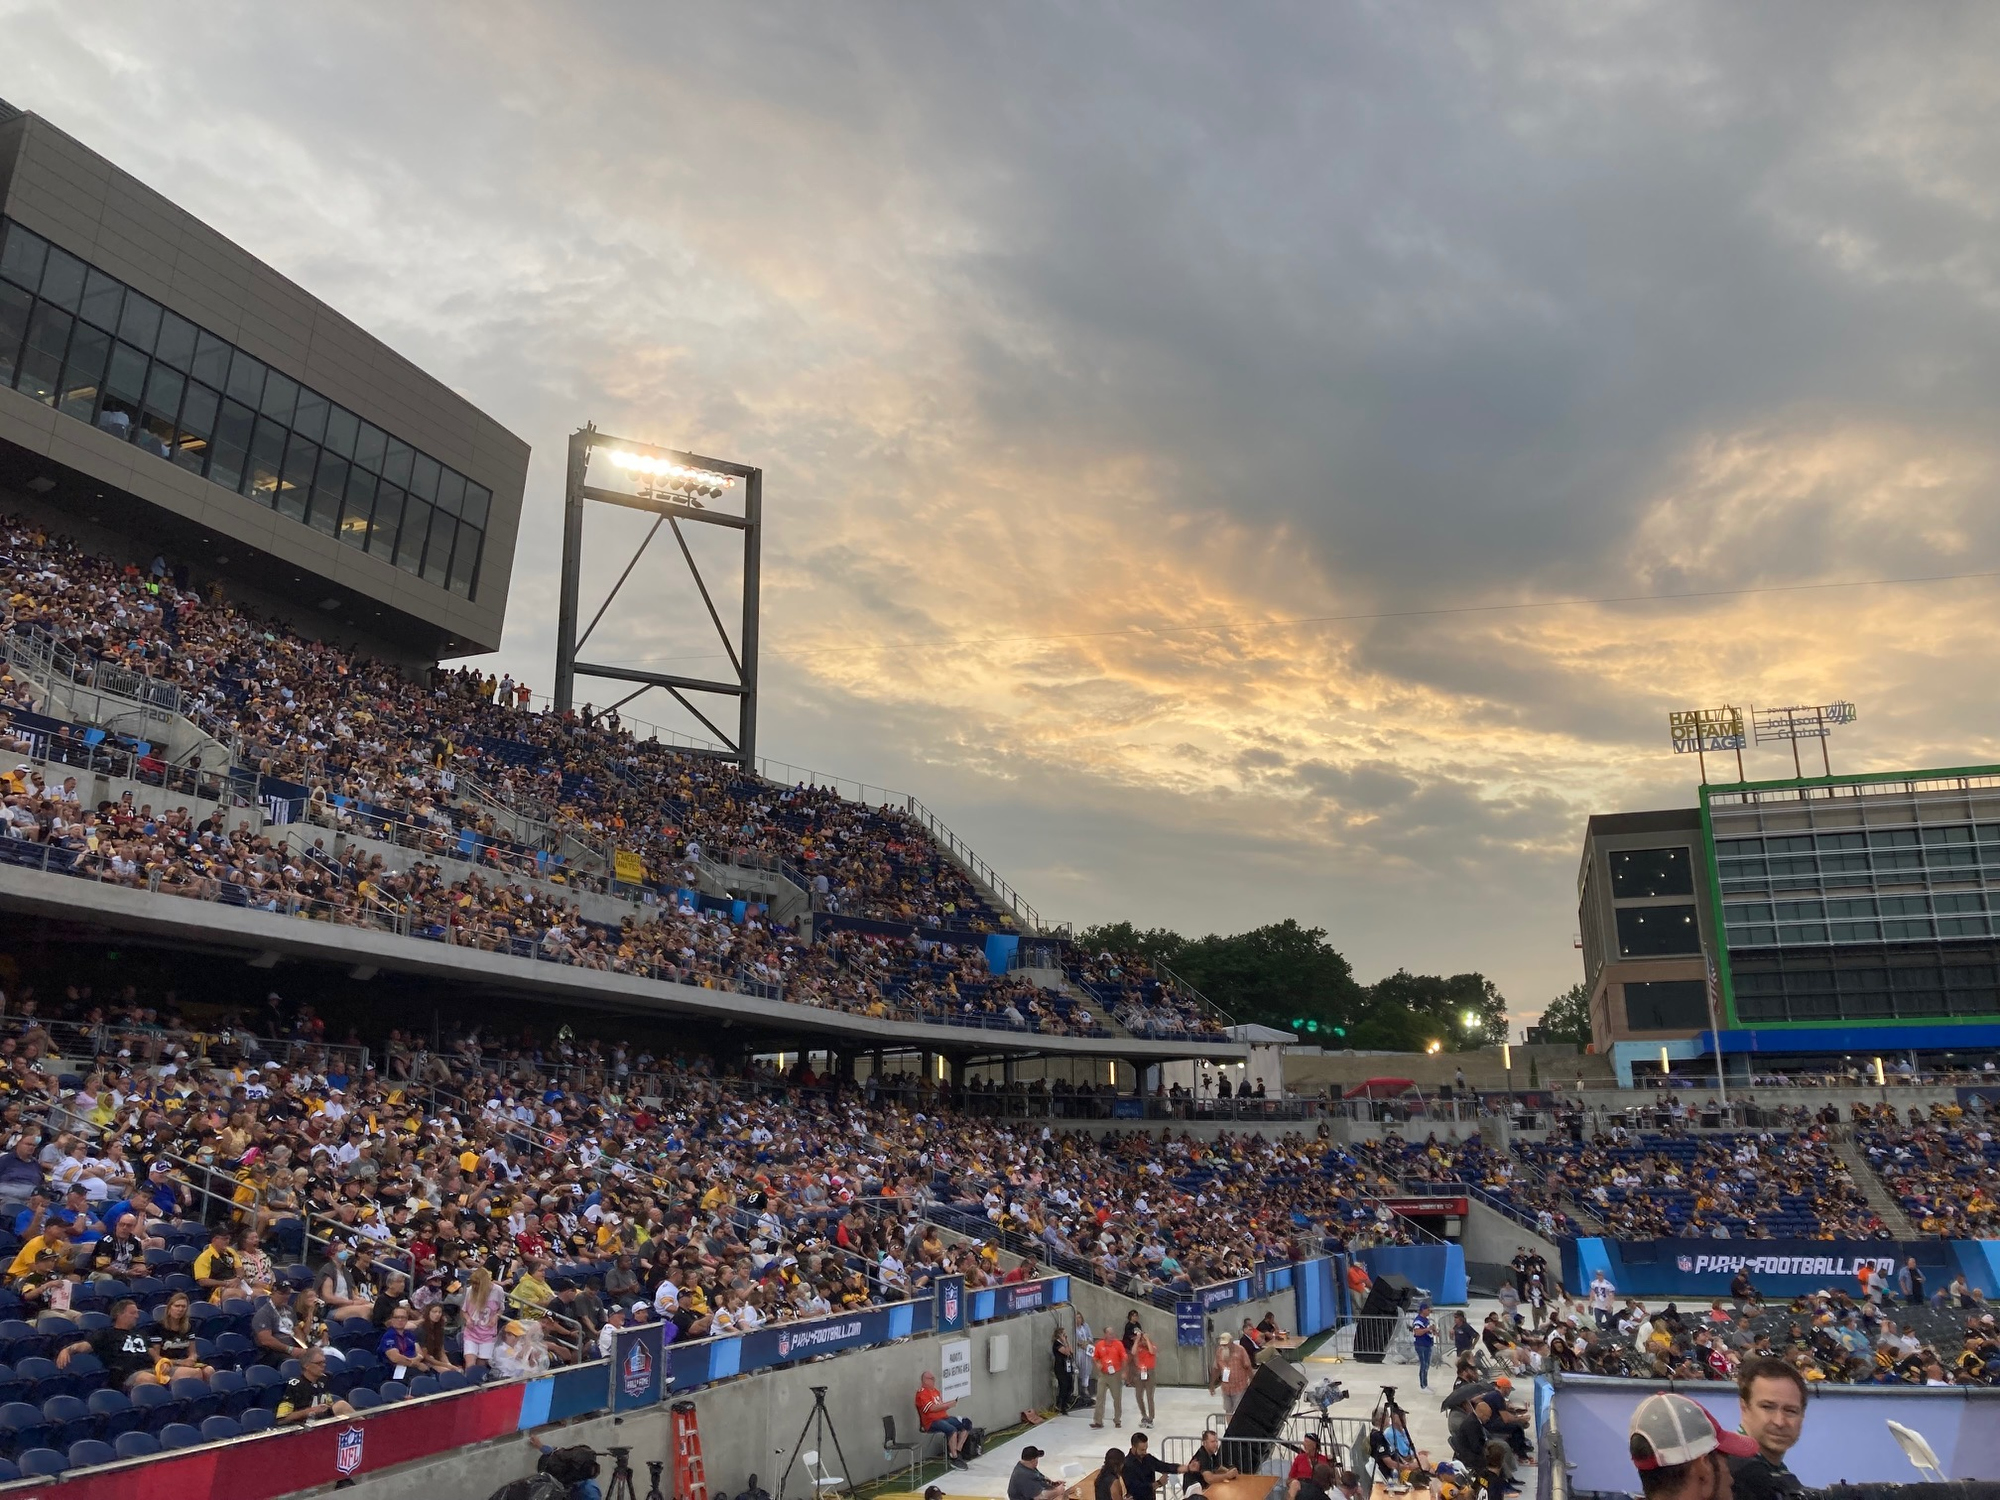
[
  {"x": 1651, "y": 872},
  {"x": 310, "y": 419},
  {"x": 231, "y": 458},
  {"x": 139, "y": 321},
  {"x": 197, "y": 426},
  {"x": 281, "y": 398},
  {"x": 396, "y": 462},
  {"x": 102, "y": 297},
  {"x": 42, "y": 354},
  {"x": 424, "y": 476},
  {"x": 1666, "y": 1005},
  {"x": 246, "y": 380},
  {"x": 267, "y": 461},
  {"x": 369, "y": 446},
  {"x": 295, "y": 487},
  {"x": 15, "y": 306},
  {"x": 62, "y": 280},
  {"x": 342, "y": 427},
  {"x": 1651, "y": 931},
  {"x": 124, "y": 385},
  {"x": 416, "y": 525},
  {"x": 83, "y": 372},
  {"x": 465, "y": 560},
  {"x": 477, "y": 499},
  {"x": 22, "y": 256},
  {"x": 328, "y": 489},
  {"x": 163, "y": 404},
  {"x": 437, "y": 556},
  {"x": 360, "y": 505},
  {"x": 388, "y": 520},
  {"x": 211, "y": 360},
  {"x": 451, "y": 491},
  {"x": 176, "y": 345}
]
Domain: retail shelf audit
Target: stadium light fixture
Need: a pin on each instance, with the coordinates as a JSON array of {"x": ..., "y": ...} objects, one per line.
[
  {"x": 1880, "y": 1081},
  {"x": 674, "y": 488},
  {"x": 1812, "y": 721},
  {"x": 1665, "y": 1068},
  {"x": 1435, "y": 1046}
]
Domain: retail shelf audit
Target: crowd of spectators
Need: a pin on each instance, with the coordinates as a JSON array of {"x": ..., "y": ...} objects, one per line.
[
  {"x": 365, "y": 744},
  {"x": 1942, "y": 1164},
  {"x": 1863, "y": 1337},
  {"x": 1146, "y": 1002},
  {"x": 1725, "y": 1185}
]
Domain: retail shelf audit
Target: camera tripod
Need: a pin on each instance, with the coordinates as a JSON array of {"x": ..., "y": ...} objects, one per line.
[
  {"x": 621, "y": 1486},
  {"x": 819, "y": 1426}
]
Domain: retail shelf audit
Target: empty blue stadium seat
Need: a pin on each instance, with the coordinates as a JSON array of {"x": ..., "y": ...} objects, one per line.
[
  {"x": 41, "y": 1463},
  {"x": 178, "y": 1435},
  {"x": 90, "y": 1452},
  {"x": 22, "y": 1426},
  {"x": 198, "y": 1399},
  {"x": 237, "y": 1395},
  {"x": 136, "y": 1445},
  {"x": 395, "y": 1390},
  {"x": 158, "y": 1405},
  {"x": 86, "y": 1372},
  {"x": 70, "y": 1421},
  {"x": 361, "y": 1398},
  {"x": 116, "y": 1412},
  {"x": 220, "y": 1430},
  {"x": 451, "y": 1380},
  {"x": 425, "y": 1385}
]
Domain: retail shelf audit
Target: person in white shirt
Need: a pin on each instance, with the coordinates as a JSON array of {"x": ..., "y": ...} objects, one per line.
[{"x": 607, "y": 1336}]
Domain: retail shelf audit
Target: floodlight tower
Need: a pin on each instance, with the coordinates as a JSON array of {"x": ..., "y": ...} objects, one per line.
[{"x": 672, "y": 487}]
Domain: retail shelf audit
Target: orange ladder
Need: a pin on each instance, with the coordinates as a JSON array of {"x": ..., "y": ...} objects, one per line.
[{"x": 690, "y": 1477}]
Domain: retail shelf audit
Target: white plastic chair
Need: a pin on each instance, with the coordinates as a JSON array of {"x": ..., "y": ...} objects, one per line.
[{"x": 821, "y": 1480}]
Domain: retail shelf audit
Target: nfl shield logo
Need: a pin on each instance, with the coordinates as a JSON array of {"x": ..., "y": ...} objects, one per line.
[
  {"x": 951, "y": 1306},
  {"x": 637, "y": 1371},
  {"x": 347, "y": 1451},
  {"x": 784, "y": 1345},
  {"x": 1686, "y": 1262}
]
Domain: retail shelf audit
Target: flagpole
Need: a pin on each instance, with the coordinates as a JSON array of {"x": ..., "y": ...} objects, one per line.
[{"x": 1715, "y": 1032}]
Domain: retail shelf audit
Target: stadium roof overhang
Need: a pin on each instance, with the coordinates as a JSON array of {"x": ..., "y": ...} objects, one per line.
[{"x": 88, "y": 907}]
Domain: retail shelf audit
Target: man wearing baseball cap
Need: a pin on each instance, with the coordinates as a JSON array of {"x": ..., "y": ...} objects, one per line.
[
  {"x": 1028, "y": 1482},
  {"x": 1681, "y": 1452}
]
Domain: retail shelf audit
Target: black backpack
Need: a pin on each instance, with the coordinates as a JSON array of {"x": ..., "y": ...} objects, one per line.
[
  {"x": 569, "y": 1466},
  {"x": 536, "y": 1487}
]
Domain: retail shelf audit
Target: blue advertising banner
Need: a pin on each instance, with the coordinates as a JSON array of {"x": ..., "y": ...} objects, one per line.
[
  {"x": 638, "y": 1368},
  {"x": 1188, "y": 1330},
  {"x": 1018, "y": 1297},
  {"x": 1777, "y": 1268},
  {"x": 1223, "y": 1293},
  {"x": 1317, "y": 1308},
  {"x": 950, "y": 1293}
]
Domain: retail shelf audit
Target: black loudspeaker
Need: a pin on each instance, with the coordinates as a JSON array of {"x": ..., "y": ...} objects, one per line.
[
  {"x": 1260, "y": 1414},
  {"x": 1375, "y": 1324}
]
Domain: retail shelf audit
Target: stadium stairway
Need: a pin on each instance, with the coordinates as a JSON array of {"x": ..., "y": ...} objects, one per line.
[{"x": 1875, "y": 1190}]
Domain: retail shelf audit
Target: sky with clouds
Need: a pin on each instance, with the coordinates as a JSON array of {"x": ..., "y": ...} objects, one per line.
[{"x": 1174, "y": 416}]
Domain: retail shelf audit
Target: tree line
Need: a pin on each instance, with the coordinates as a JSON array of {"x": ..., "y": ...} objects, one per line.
[{"x": 1290, "y": 977}]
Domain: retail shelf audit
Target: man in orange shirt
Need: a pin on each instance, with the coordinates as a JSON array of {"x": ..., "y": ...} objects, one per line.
[
  {"x": 1109, "y": 1354},
  {"x": 934, "y": 1415}
]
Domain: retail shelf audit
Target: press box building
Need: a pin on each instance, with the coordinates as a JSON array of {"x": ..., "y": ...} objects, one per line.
[
  {"x": 1820, "y": 920},
  {"x": 161, "y": 386}
]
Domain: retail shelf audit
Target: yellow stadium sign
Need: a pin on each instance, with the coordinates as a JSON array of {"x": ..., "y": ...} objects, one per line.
[
  {"x": 628, "y": 867},
  {"x": 1698, "y": 730}
]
